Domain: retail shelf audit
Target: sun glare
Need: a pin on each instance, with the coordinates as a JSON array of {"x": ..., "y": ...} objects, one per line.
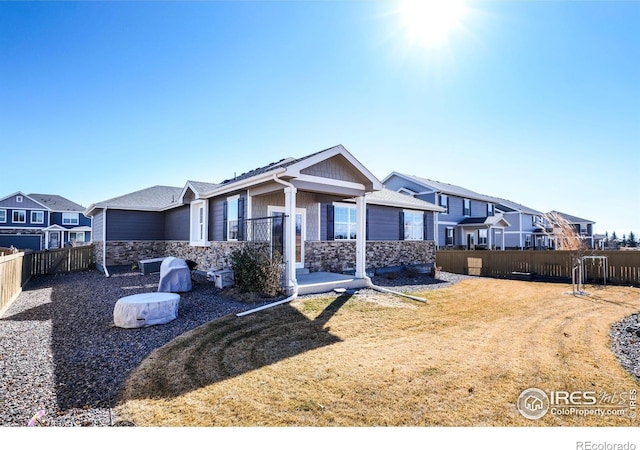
[{"x": 429, "y": 23}]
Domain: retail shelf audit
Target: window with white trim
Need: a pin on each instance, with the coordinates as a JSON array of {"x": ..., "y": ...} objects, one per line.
[
  {"x": 413, "y": 225},
  {"x": 490, "y": 210},
  {"x": 198, "y": 223},
  {"x": 3, "y": 215},
  {"x": 19, "y": 216},
  {"x": 482, "y": 236},
  {"x": 344, "y": 222},
  {"x": 19, "y": 199},
  {"x": 76, "y": 236},
  {"x": 70, "y": 218},
  {"x": 449, "y": 236},
  {"x": 233, "y": 212},
  {"x": 527, "y": 240},
  {"x": 444, "y": 202},
  {"x": 37, "y": 216},
  {"x": 466, "y": 208}
]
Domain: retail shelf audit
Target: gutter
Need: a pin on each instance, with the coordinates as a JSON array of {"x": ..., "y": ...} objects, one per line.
[{"x": 104, "y": 243}]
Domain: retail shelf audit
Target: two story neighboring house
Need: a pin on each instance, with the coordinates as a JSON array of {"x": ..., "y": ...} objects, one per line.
[
  {"x": 583, "y": 227},
  {"x": 528, "y": 228},
  {"x": 477, "y": 221},
  {"x": 468, "y": 220},
  {"x": 41, "y": 221}
]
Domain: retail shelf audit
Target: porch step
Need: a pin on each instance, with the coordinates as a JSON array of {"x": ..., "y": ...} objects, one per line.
[{"x": 302, "y": 272}]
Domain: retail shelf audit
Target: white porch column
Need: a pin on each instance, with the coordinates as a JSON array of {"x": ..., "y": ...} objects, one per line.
[
  {"x": 290, "y": 238},
  {"x": 490, "y": 232},
  {"x": 361, "y": 236},
  {"x": 46, "y": 240},
  {"x": 503, "y": 239}
]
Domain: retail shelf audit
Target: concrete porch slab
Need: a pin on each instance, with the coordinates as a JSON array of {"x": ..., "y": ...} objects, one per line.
[{"x": 319, "y": 282}]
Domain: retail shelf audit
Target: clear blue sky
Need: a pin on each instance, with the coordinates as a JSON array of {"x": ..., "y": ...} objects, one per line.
[{"x": 534, "y": 101}]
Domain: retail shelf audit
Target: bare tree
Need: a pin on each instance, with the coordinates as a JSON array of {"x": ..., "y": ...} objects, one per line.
[{"x": 568, "y": 238}]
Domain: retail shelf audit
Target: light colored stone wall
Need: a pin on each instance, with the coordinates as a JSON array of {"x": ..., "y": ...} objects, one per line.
[
  {"x": 320, "y": 256},
  {"x": 120, "y": 253},
  {"x": 338, "y": 256}
]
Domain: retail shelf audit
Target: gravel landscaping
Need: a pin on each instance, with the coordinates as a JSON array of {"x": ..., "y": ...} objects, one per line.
[{"x": 60, "y": 351}]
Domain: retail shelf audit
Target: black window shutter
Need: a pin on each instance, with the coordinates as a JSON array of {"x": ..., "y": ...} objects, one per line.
[
  {"x": 330, "y": 220},
  {"x": 241, "y": 218},
  {"x": 401, "y": 229},
  {"x": 224, "y": 220},
  {"x": 366, "y": 224}
]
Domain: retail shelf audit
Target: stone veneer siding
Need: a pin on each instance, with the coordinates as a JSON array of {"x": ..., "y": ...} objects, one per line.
[
  {"x": 120, "y": 253},
  {"x": 338, "y": 256},
  {"x": 320, "y": 256}
]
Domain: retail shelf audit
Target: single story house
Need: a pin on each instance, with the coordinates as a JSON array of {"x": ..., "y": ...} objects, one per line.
[{"x": 326, "y": 212}]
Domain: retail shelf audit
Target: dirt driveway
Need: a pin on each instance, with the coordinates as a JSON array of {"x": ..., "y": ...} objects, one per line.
[{"x": 370, "y": 359}]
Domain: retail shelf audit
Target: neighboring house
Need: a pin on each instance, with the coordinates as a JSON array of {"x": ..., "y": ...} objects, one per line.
[
  {"x": 527, "y": 227},
  {"x": 582, "y": 227},
  {"x": 477, "y": 221},
  {"x": 329, "y": 194},
  {"x": 469, "y": 220},
  {"x": 41, "y": 221}
]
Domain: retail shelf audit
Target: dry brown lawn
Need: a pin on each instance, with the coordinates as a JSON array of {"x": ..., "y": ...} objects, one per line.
[{"x": 461, "y": 359}]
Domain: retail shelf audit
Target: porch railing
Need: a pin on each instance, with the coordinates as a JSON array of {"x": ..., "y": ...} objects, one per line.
[{"x": 267, "y": 231}]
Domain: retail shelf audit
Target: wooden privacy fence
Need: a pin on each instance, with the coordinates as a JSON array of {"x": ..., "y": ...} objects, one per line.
[
  {"x": 16, "y": 269},
  {"x": 621, "y": 268},
  {"x": 69, "y": 259}
]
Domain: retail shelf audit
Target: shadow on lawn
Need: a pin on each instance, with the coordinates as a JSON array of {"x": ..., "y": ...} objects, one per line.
[
  {"x": 92, "y": 358},
  {"x": 230, "y": 347}
]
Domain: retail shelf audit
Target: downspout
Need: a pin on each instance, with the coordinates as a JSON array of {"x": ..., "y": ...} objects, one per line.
[
  {"x": 389, "y": 291},
  {"x": 104, "y": 242},
  {"x": 294, "y": 295}
]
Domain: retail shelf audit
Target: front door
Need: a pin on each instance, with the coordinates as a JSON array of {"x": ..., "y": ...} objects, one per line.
[
  {"x": 471, "y": 245},
  {"x": 54, "y": 239},
  {"x": 300, "y": 231}
]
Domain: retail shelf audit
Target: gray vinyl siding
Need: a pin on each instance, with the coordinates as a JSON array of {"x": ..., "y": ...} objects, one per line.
[
  {"x": 134, "y": 225},
  {"x": 26, "y": 203},
  {"x": 216, "y": 215},
  {"x": 216, "y": 219},
  {"x": 176, "y": 224},
  {"x": 478, "y": 208},
  {"x": 395, "y": 183},
  {"x": 96, "y": 226},
  {"x": 383, "y": 223}
]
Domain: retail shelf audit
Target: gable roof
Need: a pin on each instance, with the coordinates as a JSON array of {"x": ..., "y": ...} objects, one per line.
[
  {"x": 451, "y": 189},
  {"x": 293, "y": 167},
  {"x": 155, "y": 198},
  {"x": 57, "y": 203},
  {"x": 199, "y": 188},
  {"x": 498, "y": 219},
  {"x": 387, "y": 197},
  {"x": 443, "y": 188},
  {"x": 505, "y": 205},
  {"x": 570, "y": 218}
]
